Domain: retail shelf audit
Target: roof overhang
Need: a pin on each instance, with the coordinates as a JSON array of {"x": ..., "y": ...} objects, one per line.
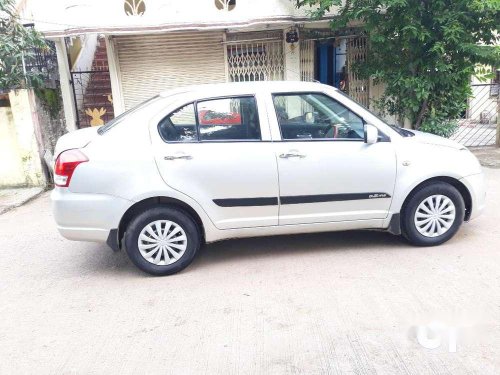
[{"x": 267, "y": 23}]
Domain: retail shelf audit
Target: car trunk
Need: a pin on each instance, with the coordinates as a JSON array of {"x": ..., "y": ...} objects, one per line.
[{"x": 76, "y": 139}]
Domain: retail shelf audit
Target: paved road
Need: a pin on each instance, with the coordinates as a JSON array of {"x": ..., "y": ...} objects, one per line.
[{"x": 324, "y": 303}]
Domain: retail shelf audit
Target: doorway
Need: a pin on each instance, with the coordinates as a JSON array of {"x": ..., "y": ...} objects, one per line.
[{"x": 331, "y": 63}]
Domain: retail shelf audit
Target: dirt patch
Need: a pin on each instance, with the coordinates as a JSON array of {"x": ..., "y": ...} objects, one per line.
[{"x": 488, "y": 156}]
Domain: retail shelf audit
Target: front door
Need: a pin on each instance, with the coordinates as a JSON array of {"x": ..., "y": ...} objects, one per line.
[
  {"x": 326, "y": 171},
  {"x": 213, "y": 151}
]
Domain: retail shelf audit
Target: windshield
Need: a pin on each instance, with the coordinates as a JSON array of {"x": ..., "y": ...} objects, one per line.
[
  {"x": 402, "y": 131},
  {"x": 110, "y": 124}
]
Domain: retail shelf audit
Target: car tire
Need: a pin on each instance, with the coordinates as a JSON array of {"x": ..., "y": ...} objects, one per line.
[
  {"x": 172, "y": 232},
  {"x": 439, "y": 203}
]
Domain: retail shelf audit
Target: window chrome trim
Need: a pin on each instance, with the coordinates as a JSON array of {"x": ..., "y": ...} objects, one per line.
[{"x": 198, "y": 133}]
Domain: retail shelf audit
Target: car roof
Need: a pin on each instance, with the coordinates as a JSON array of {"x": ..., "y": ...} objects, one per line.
[{"x": 214, "y": 89}]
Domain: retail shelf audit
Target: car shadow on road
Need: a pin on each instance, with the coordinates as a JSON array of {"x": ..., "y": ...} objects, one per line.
[
  {"x": 286, "y": 245},
  {"x": 102, "y": 260}
]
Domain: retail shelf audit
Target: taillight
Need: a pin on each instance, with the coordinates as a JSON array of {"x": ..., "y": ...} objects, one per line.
[{"x": 66, "y": 164}]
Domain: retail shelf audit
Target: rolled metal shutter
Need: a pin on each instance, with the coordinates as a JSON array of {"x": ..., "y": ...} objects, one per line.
[{"x": 152, "y": 63}]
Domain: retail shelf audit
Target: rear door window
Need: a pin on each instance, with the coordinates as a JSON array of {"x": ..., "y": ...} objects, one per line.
[
  {"x": 224, "y": 119},
  {"x": 180, "y": 125},
  {"x": 227, "y": 119}
]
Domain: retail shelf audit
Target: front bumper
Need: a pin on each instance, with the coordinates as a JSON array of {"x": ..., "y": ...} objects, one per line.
[
  {"x": 85, "y": 216},
  {"x": 476, "y": 186}
]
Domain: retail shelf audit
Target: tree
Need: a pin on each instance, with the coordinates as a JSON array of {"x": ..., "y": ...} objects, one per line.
[
  {"x": 17, "y": 46},
  {"x": 423, "y": 51}
]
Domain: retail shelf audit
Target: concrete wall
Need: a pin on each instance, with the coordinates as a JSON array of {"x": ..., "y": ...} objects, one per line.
[
  {"x": 26, "y": 132},
  {"x": 20, "y": 163},
  {"x": 11, "y": 164},
  {"x": 50, "y": 129}
]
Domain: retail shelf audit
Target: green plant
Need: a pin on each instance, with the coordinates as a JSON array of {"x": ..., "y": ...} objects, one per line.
[
  {"x": 442, "y": 127},
  {"x": 423, "y": 51},
  {"x": 17, "y": 45},
  {"x": 51, "y": 100}
]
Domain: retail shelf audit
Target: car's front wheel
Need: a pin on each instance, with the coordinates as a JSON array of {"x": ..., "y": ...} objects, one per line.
[
  {"x": 433, "y": 214},
  {"x": 162, "y": 240}
]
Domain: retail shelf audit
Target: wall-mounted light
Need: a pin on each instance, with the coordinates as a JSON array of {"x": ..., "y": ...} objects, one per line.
[{"x": 292, "y": 36}]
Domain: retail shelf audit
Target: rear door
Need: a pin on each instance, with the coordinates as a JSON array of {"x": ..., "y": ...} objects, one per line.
[
  {"x": 218, "y": 152},
  {"x": 326, "y": 171}
]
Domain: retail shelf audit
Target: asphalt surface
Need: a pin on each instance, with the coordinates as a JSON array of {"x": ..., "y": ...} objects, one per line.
[{"x": 327, "y": 303}]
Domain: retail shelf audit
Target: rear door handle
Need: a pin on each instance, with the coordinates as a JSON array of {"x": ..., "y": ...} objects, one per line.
[
  {"x": 175, "y": 157},
  {"x": 292, "y": 155}
]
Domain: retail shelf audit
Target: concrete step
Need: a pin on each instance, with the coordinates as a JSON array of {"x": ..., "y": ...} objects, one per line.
[
  {"x": 97, "y": 101},
  {"x": 99, "y": 85},
  {"x": 101, "y": 80}
]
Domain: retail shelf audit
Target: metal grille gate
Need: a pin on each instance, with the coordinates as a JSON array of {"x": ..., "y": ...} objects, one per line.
[
  {"x": 357, "y": 88},
  {"x": 479, "y": 125},
  {"x": 92, "y": 96},
  {"x": 307, "y": 60},
  {"x": 255, "y": 57}
]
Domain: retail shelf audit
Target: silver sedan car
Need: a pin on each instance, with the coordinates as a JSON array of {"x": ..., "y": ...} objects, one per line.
[{"x": 212, "y": 162}]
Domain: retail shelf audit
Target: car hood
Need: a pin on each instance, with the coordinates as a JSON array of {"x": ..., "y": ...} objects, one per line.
[
  {"x": 75, "y": 139},
  {"x": 431, "y": 139}
]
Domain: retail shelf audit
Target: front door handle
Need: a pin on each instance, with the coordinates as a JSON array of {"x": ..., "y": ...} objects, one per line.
[
  {"x": 292, "y": 154},
  {"x": 175, "y": 157}
]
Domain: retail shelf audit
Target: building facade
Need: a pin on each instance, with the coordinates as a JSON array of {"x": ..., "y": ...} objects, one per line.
[{"x": 153, "y": 45}]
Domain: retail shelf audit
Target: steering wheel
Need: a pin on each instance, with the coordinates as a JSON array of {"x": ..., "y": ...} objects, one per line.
[{"x": 334, "y": 128}]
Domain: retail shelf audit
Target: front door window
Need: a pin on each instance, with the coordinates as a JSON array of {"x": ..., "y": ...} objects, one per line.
[{"x": 316, "y": 116}]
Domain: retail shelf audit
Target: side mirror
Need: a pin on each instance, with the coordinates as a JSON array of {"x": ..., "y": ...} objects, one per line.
[{"x": 371, "y": 134}]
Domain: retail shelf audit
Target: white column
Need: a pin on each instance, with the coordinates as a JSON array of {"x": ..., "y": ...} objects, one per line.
[
  {"x": 292, "y": 59},
  {"x": 115, "y": 77},
  {"x": 66, "y": 90},
  {"x": 292, "y": 73}
]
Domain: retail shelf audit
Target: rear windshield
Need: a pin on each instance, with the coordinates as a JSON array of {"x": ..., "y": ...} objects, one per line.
[{"x": 110, "y": 124}]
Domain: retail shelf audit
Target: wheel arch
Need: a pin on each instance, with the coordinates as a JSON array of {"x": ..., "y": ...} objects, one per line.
[
  {"x": 151, "y": 202},
  {"x": 462, "y": 189}
]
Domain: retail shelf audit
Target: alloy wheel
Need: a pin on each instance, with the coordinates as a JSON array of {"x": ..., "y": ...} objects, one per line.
[
  {"x": 162, "y": 242},
  {"x": 435, "y": 215}
]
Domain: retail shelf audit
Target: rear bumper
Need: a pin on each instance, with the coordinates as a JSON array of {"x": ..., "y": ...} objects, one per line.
[
  {"x": 476, "y": 186},
  {"x": 87, "y": 217},
  {"x": 84, "y": 234}
]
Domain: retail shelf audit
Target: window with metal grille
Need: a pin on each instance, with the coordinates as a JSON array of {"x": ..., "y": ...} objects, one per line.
[
  {"x": 255, "y": 59},
  {"x": 357, "y": 87}
]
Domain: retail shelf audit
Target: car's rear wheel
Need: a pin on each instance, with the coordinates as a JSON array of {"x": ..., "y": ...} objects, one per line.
[
  {"x": 433, "y": 214},
  {"x": 162, "y": 240}
]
